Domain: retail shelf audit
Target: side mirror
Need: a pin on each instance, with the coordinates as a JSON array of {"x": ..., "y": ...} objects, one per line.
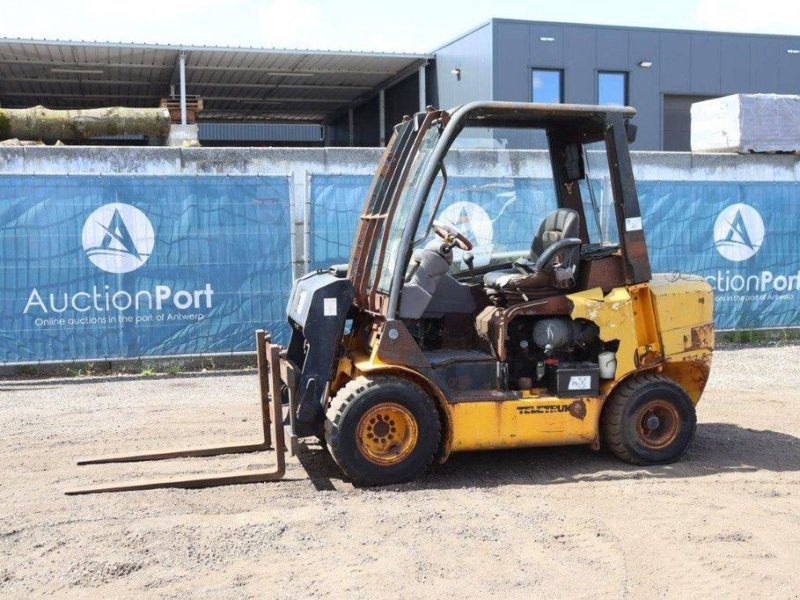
[{"x": 630, "y": 131}]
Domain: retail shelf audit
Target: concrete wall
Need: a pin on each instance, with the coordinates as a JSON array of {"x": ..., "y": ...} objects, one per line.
[{"x": 297, "y": 162}]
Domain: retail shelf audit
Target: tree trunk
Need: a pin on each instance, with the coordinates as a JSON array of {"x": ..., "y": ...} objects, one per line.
[{"x": 40, "y": 123}]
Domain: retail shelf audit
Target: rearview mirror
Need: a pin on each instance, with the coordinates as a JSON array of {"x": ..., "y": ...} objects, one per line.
[{"x": 630, "y": 131}]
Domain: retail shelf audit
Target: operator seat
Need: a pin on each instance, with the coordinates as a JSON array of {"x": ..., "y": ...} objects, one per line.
[{"x": 552, "y": 262}]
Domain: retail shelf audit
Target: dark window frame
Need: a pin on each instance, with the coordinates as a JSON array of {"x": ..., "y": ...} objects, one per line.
[
  {"x": 627, "y": 84},
  {"x": 560, "y": 72}
]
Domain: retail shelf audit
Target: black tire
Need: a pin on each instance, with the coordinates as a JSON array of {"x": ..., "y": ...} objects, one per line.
[
  {"x": 648, "y": 420},
  {"x": 368, "y": 396}
]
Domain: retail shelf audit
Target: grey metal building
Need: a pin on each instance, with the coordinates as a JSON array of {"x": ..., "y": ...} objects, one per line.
[
  {"x": 658, "y": 71},
  {"x": 251, "y": 96},
  {"x": 266, "y": 96}
]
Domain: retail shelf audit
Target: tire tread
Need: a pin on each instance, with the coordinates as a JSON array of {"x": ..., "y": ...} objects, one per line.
[
  {"x": 614, "y": 413},
  {"x": 351, "y": 391}
]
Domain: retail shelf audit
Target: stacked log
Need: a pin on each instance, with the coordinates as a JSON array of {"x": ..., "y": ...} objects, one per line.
[{"x": 40, "y": 123}]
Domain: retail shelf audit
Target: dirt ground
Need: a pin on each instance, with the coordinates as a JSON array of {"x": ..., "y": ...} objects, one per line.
[{"x": 724, "y": 522}]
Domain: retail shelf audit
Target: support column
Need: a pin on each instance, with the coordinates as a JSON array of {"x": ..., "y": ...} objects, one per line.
[
  {"x": 382, "y": 117},
  {"x": 422, "y": 89},
  {"x": 350, "y": 127},
  {"x": 182, "y": 63}
]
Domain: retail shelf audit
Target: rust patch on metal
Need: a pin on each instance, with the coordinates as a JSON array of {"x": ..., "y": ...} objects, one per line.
[
  {"x": 647, "y": 356},
  {"x": 578, "y": 409},
  {"x": 396, "y": 346},
  {"x": 701, "y": 337}
]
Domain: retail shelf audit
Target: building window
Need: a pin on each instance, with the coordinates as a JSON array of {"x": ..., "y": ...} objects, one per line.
[
  {"x": 612, "y": 88},
  {"x": 548, "y": 85}
]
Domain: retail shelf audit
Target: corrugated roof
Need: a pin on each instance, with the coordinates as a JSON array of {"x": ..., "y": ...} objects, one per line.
[{"x": 235, "y": 83}]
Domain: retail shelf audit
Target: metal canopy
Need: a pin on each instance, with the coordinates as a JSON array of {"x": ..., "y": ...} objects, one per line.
[
  {"x": 234, "y": 83},
  {"x": 531, "y": 114}
]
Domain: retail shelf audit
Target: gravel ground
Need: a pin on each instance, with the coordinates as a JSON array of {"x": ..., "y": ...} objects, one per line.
[{"x": 724, "y": 522}]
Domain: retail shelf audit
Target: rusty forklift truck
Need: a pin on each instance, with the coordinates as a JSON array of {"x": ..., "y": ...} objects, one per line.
[{"x": 414, "y": 350}]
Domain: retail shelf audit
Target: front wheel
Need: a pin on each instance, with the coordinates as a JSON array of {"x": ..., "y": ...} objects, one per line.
[
  {"x": 382, "y": 430},
  {"x": 648, "y": 420}
]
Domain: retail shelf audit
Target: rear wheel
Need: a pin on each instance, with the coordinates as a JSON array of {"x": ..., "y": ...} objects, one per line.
[
  {"x": 382, "y": 430},
  {"x": 649, "y": 419}
]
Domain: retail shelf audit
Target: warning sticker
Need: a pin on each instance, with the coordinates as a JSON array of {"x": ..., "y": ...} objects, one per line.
[
  {"x": 633, "y": 224},
  {"x": 580, "y": 382},
  {"x": 329, "y": 307}
]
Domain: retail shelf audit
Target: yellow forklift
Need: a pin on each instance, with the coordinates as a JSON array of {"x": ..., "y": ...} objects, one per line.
[{"x": 427, "y": 344}]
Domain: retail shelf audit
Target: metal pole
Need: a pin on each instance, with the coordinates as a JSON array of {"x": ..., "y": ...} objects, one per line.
[
  {"x": 350, "y": 126},
  {"x": 183, "y": 87},
  {"x": 382, "y": 117},
  {"x": 422, "y": 91},
  {"x": 307, "y": 225}
]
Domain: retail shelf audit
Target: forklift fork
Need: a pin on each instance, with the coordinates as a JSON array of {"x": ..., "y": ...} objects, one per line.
[{"x": 271, "y": 369}]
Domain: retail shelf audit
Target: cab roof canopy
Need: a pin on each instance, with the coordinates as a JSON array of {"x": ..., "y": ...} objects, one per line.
[{"x": 580, "y": 117}]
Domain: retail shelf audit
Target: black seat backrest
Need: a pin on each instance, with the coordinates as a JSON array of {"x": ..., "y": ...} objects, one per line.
[{"x": 559, "y": 224}]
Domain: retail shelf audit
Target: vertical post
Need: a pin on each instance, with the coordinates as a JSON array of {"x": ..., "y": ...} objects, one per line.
[
  {"x": 422, "y": 90},
  {"x": 382, "y": 117},
  {"x": 294, "y": 222},
  {"x": 307, "y": 225},
  {"x": 299, "y": 199},
  {"x": 350, "y": 126},
  {"x": 606, "y": 209},
  {"x": 182, "y": 62},
  {"x": 636, "y": 262},
  {"x": 263, "y": 341}
]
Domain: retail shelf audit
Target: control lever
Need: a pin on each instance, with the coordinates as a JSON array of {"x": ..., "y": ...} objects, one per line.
[{"x": 469, "y": 259}]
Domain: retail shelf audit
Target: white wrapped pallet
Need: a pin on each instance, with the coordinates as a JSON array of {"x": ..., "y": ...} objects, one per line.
[{"x": 747, "y": 123}]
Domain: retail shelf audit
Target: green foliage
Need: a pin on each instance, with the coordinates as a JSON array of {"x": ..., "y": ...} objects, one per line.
[
  {"x": 760, "y": 337},
  {"x": 174, "y": 369},
  {"x": 86, "y": 370}
]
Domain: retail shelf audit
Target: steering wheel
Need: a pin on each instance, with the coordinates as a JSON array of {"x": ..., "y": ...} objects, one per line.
[{"x": 451, "y": 235}]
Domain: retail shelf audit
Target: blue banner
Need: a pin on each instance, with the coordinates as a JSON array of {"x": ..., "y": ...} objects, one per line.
[
  {"x": 336, "y": 201},
  {"x": 133, "y": 266},
  {"x": 742, "y": 237},
  {"x": 98, "y": 267}
]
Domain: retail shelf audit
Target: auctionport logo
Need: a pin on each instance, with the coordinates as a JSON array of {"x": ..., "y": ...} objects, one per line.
[
  {"x": 738, "y": 235},
  {"x": 118, "y": 238},
  {"x": 738, "y": 232}
]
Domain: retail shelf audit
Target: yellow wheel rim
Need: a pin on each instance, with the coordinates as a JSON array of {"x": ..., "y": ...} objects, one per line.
[{"x": 387, "y": 433}]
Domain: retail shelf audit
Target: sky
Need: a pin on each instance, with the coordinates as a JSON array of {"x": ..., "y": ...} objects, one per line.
[{"x": 404, "y": 26}]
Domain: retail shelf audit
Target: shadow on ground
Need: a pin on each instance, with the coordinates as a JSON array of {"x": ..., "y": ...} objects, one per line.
[{"x": 717, "y": 449}]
